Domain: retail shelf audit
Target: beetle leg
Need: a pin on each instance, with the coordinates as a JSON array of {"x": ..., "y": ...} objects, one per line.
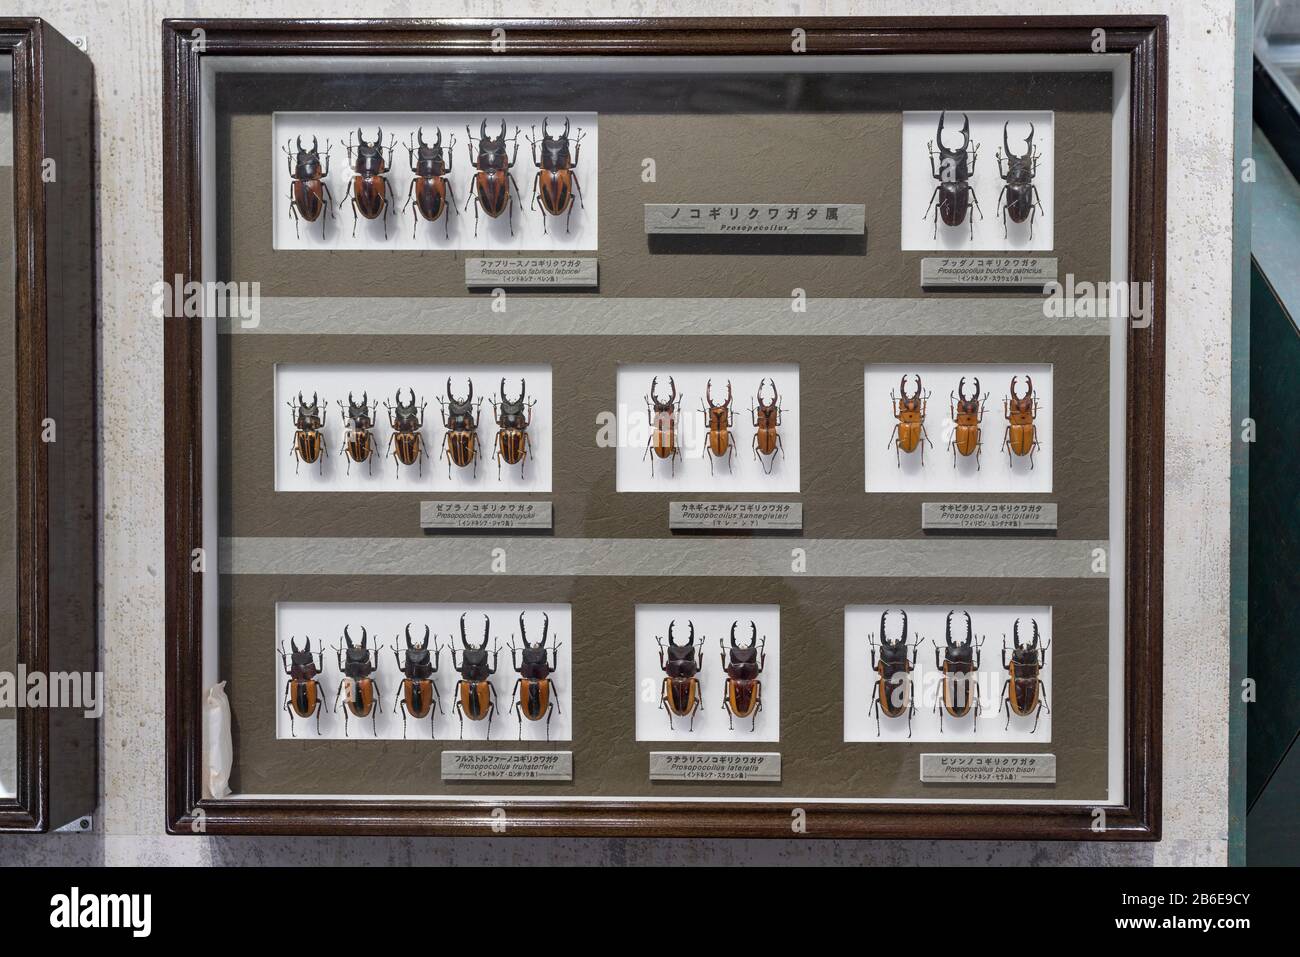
[
  {"x": 577, "y": 188},
  {"x": 532, "y": 204},
  {"x": 1006, "y": 703},
  {"x": 926, "y": 214},
  {"x": 293, "y": 211}
]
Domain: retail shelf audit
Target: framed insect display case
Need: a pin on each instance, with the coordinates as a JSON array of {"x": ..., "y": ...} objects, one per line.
[
  {"x": 50, "y": 692},
  {"x": 693, "y": 427}
]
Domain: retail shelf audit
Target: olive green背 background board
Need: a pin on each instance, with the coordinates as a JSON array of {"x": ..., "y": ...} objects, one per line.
[{"x": 716, "y": 152}]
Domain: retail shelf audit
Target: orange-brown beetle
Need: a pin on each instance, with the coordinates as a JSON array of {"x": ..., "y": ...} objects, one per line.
[
  {"x": 302, "y": 692},
  {"x": 309, "y": 194},
  {"x": 308, "y": 433},
  {"x": 368, "y": 186},
  {"x": 556, "y": 181},
  {"x": 766, "y": 420},
  {"x": 460, "y": 417},
  {"x": 430, "y": 192},
  {"x": 1024, "y": 692},
  {"x": 893, "y": 672},
  {"x": 493, "y": 184},
  {"x": 680, "y": 693},
  {"x": 967, "y": 415},
  {"x": 406, "y": 443},
  {"x": 662, "y": 416},
  {"x": 742, "y": 697},
  {"x": 1021, "y": 437},
  {"x": 418, "y": 693},
  {"x": 476, "y": 697},
  {"x": 513, "y": 417},
  {"x": 720, "y": 442},
  {"x": 535, "y": 695},
  {"x": 959, "y": 691},
  {"x": 909, "y": 430},
  {"x": 358, "y": 664}
]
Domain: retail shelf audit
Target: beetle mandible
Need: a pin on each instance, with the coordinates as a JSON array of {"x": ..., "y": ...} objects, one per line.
[
  {"x": 494, "y": 186},
  {"x": 1021, "y": 436},
  {"x": 954, "y": 171},
  {"x": 460, "y": 418},
  {"x": 719, "y": 442},
  {"x": 406, "y": 442},
  {"x": 302, "y": 692},
  {"x": 1021, "y": 195},
  {"x": 556, "y": 181},
  {"x": 662, "y": 415},
  {"x": 893, "y": 670},
  {"x": 1024, "y": 691},
  {"x": 967, "y": 414},
  {"x": 358, "y": 664},
  {"x": 513, "y": 417},
  {"x": 308, "y": 433},
  {"x": 309, "y": 193},
  {"x": 534, "y": 696},
  {"x": 767, "y": 420},
  {"x": 476, "y": 698},
  {"x": 909, "y": 432},
  {"x": 368, "y": 186},
  {"x": 680, "y": 692},
  {"x": 742, "y": 696},
  {"x": 959, "y": 692},
  {"x": 417, "y": 695},
  {"x": 430, "y": 194}
]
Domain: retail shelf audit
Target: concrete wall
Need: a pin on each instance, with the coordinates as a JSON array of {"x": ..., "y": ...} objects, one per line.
[{"x": 124, "y": 41}]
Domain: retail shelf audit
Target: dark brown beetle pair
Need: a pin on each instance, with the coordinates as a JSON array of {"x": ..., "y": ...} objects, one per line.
[
  {"x": 367, "y": 191},
  {"x": 303, "y": 697}
]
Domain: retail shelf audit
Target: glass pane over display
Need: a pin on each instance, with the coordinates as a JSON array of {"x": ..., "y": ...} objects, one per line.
[{"x": 8, "y": 504}]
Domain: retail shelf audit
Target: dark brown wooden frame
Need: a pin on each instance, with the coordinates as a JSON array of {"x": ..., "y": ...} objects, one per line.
[
  {"x": 54, "y": 288},
  {"x": 1143, "y": 39}
]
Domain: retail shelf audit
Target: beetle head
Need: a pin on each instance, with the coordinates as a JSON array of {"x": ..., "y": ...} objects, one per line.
[
  {"x": 1032, "y": 644},
  {"x": 510, "y": 406},
  {"x": 303, "y": 658},
  {"x": 306, "y": 159},
  {"x": 662, "y": 405},
  {"x": 429, "y": 151},
  {"x": 359, "y": 410},
  {"x": 523, "y": 631},
  {"x": 1022, "y": 403},
  {"x": 744, "y": 654},
  {"x": 305, "y": 408},
  {"x": 411, "y": 646},
  {"x": 965, "y": 404},
  {"x": 965, "y": 137},
  {"x": 405, "y": 410},
  {"x": 959, "y": 642},
  {"x": 460, "y": 407},
  {"x": 913, "y": 402},
  {"x": 690, "y": 638},
  {"x": 759, "y": 397}
]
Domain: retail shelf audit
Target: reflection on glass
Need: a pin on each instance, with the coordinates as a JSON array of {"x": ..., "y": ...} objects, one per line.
[{"x": 8, "y": 611}]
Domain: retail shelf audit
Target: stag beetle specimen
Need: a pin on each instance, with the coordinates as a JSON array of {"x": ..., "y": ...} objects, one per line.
[
  {"x": 308, "y": 433},
  {"x": 309, "y": 194},
  {"x": 494, "y": 186},
  {"x": 956, "y": 167},
  {"x": 662, "y": 416},
  {"x": 556, "y": 180},
  {"x": 358, "y": 431},
  {"x": 417, "y": 695},
  {"x": 368, "y": 186},
  {"x": 406, "y": 443},
  {"x": 1022, "y": 200},
  {"x": 893, "y": 672},
  {"x": 909, "y": 429},
  {"x": 767, "y": 419},
  {"x": 476, "y": 698},
  {"x": 717, "y": 420},
  {"x": 967, "y": 415},
  {"x": 302, "y": 692},
  {"x": 1021, "y": 436},
  {"x": 358, "y": 664},
  {"x": 513, "y": 418},
  {"x": 535, "y": 695},
  {"x": 742, "y": 696},
  {"x": 959, "y": 687},
  {"x": 430, "y": 192},
  {"x": 1023, "y": 692},
  {"x": 460, "y": 417},
  {"x": 680, "y": 692}
]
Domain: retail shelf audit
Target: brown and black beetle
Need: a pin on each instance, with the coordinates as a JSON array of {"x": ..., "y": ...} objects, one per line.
[
  {"x": 893, "y": 672},
  {"x": 430, "y": 191},
  {"x": 302, "y": 692},
  {"x": 476, "y": 698},
  {"x": 417, "y": 695},
  {"x": 358, "y": 431},
  {"x": 368, "y": 186},
  {"x": 662, "y": 415},
  {"x": 535, "y": 695},
  {"x": 358, "y": 664},
  {"x": 406, "y": 443},
  {"x": 1023, "y": 692},
  {"x": 460, "y": 417},
  {"x": 956, "y": 167},
  {"x": 742, "y": 697},
  {"x": 513, "y": 417},
  {"x": 494, "y": 186},
  {"x": 309, "y": 194},
  {"x": 680, "y": 693},
  {"x": 1021, "y": 201},
  {"x": 308, "y": 433},
  {"x": 556, "y": 181},
  {"x": 959, "y": 692}
]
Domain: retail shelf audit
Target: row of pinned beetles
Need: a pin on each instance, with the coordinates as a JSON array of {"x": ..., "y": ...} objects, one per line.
[
  {"x": 967, "y": 415},
  {"x": 534, "y": 696},
  {"x": 430, "y": 195}
]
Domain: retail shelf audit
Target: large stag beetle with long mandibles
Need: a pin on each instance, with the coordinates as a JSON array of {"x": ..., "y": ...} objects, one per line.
[
  {"x": 309, "y": 194},
  {"x": 494, "y": 186},
  {"x": 556, "y": 181},
  {"x": 893, "y": 670},
  {"x": 766, "y": 420},
  {"x": 717, "y": 421},
  {"x": 406, "y": 443},
  {"x": 742, "y": 697},
  {"x": 909, "y": 428},
  {"x": 417, "y": 695},
  {"x": 1023, "y": 692},
  {"x": 460, "y": 418},
  {"x": 308, "y": 433},
  {"x": 955, "y": 169},
  {"x": 513, "y": 417},
  {"x": 358, "y": 431},
  {"x": 368, "y": 186},
  {"x": 303, "y": 697},
  {"x": 1021, "y": 436},
  {"x": 1019, "y": 197},
  {"x": 662, "y": 415},
  {"x": 534, "y": 696},
  {"x": 430, "y": 193},
  {"x": 358, "y": 664},
  {"x": 967, "y": 415},
  {"x": 680, "y": 692},
  {"x": 959, "y": 691},
  {"x": 476, "y": 698}
]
